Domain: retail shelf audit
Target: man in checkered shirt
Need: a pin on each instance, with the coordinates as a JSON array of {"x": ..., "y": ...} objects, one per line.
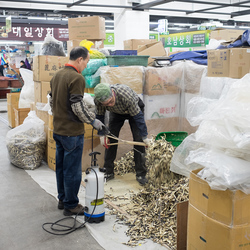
[{"x": 123, "y": 104}]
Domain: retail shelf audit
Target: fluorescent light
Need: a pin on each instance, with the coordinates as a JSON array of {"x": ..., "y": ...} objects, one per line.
[{"x": 11, "y": 42}]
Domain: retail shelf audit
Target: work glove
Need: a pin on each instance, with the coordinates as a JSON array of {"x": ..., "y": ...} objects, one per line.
[
  {"x": 147, "y": 141},
  {"x": 104, "y": 141},
  {"x": 97, "y": 124}
]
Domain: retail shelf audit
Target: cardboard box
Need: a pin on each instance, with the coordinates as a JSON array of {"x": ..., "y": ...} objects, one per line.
[
  {"x": 132, "y": 76},
  {"x": 45, "y": 67},
  {"x": 239, "y": 62},
  {"x": 12, "y": 102},
  {"x": 205, "y": 233},
  {"x": 41, "y": 90},
  {"x": 92, "y": 27},
  {"x": 234, "y": 62},
  {"x": 228, "y": 207},
  {"x": 134, "y": 44},
  {"x": 162, "y": 81},
  {"x": 75, "y": 43},
  {"x": 43, "y": 115},
  {"x": 20, "y": 115},
  {"x": 152, "y": 50},
  {"x": 218, "y": 63},
  {"x": 87, "y": 148},
  {"x": 161, "y": 106},
  {"x": 225, "y": 34}
]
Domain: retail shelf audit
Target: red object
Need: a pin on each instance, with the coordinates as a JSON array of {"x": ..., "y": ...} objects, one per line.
[{"x": 106, "y": 142}]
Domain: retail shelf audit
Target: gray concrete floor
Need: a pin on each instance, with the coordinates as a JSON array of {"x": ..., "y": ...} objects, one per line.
[{"x": 25, "y": 206}]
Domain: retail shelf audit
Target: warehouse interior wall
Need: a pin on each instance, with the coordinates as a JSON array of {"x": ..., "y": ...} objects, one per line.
[{"x": 130, "y": 25}]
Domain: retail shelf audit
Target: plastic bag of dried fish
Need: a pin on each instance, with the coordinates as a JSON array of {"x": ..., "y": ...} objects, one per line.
[{"x": 26, "y": 143}]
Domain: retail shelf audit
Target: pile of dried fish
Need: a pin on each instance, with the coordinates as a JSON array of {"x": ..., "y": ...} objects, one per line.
[
  {"x": 153, "y": 215},
  {"x": 158, "y": 157},
  {"x": 26, "y": 149},
  {"x": 126, "y": 164}
]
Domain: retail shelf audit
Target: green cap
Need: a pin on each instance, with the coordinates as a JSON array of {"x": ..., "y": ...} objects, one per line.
[{"x": 102, "y": 92}]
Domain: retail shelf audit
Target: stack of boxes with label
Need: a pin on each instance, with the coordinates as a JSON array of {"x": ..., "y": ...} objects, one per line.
[
  {"x": 86, "y": 28},
  {"x": 217, "y": 219},
  {"x": 44, "y": 68},
  {"x": 229, "y": 62}
]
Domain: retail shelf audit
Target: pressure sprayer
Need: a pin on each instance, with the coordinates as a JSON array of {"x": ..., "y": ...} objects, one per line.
[{"x": 94, "y": 192}]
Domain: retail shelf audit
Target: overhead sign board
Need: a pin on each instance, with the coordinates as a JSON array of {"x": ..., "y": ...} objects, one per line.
[{"x": 186, "y": 39}]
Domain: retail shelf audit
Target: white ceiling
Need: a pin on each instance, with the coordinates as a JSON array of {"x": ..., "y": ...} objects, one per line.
[{"x": 227, "y": 12}]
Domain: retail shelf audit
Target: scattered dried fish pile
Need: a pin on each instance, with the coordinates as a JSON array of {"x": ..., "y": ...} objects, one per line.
[
  {"x": 153, "y": 215},
  {"x": 26, "y": 150},
  {"x": 126, "y": 164},
  {"x": 159, "y": 155}
]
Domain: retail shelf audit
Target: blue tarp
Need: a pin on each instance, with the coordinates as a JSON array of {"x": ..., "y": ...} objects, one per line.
[{"x": 199, "y": 57}]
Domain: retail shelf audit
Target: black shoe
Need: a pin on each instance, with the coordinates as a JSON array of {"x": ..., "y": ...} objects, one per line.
[
  {"x": 142, "y": 180},
  {"x": 109, "y": 177},
  {"x": 60, "y": 205},
  {"x": 78, "y": 210}
]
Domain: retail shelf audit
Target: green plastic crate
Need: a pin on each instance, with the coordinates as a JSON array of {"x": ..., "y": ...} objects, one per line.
[
  {"x": 175, "y": 137},
  {"x": 127, "y": 60}
]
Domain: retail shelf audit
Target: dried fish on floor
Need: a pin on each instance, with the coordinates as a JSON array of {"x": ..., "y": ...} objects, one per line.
[
  {"x": 153, "y": 214},
  {"x": 126, "y": 164}
]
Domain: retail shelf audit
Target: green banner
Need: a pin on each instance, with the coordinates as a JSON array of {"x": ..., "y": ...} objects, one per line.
[
  {"x": 187, "y": 39},
  {"x": 154, "y": 36},
  {"x": 8, "y": 24},
  {"x": 110, "y": 39}
]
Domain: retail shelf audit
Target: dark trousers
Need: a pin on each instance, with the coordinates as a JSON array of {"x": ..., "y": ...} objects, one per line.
[
  {"x": 116, "y": 122},
  {"x": 68, "y": 168}
]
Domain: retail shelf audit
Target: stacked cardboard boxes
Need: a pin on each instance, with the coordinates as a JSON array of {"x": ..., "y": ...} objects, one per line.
[
  {"x": 90, "y": 28},
  {"x": 87, "y": 149},
  {"x": 98, "y": 44},
  {"x": 44, "y": 68},
  {"x": 217, "y": 219},
  {"x": 225, "y": 34},
  {"x": 234, "y": 62},
  {"x": 146, "y": 47},
  {"x": 12, "y": 103}
]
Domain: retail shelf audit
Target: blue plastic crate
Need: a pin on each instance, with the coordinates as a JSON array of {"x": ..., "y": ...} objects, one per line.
[{"x": 123, "y": 53}]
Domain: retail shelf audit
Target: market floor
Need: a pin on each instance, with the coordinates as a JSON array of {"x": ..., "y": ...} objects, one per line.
[{"x": 25, "y": 206}]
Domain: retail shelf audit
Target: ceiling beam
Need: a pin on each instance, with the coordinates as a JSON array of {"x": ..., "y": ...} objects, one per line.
[
  {"x": 239, "y": 4},
  {"x": 76, "y": 3},
  {"x": 240, "y": 13},
  {"x": 151, "y": 4}
]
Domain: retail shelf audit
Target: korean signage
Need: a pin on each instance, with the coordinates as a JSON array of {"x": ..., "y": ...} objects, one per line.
[
  {"x": 28, "y": 32},
  {"x": 110, "y": 39},
  {"x": 187, "y": 39}
]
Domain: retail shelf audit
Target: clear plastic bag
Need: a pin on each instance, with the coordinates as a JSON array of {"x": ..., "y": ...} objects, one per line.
[
  {"x": 178, "y": 164},
  {"x": 220, "y": 170},
  {"x": 52, "y": 47},
  {"x": 27, "y": 91},
  {"x": 26, "y": 143}
]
